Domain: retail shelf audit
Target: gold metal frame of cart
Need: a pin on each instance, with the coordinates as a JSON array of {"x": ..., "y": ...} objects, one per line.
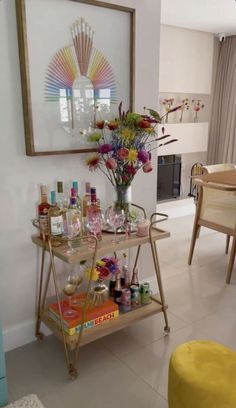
[{"x": 72, "y": 359}]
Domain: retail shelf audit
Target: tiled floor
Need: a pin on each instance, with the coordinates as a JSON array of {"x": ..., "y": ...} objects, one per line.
[{"x": 129, "y": 368}]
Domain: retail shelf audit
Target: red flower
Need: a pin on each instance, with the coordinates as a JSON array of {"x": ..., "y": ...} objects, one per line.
[
  {"x": 103, "y": 272},
  {"x": 123, "y": 153},
  {"x": 113, "y": 125},
  {"x": 100, "y": 124},
  {"x": 131, "y": 170},
  {"x": 144, "y": 124}
]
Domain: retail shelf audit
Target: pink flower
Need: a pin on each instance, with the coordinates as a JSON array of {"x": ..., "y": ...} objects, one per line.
[
  {"x": 123, "y": 153},
  {"x": 105, "y": 148},
  {"x": 111, "y": 164},
  {"x": 143, "y": 156},
  {"x": 147, "y": 167}
]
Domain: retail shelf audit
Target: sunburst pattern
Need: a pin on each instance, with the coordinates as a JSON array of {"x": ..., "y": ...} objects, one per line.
[{"x": 79, "y": 59}]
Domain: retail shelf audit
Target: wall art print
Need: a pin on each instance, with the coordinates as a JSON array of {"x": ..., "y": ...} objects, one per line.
[{"x": 77, "y": 61}]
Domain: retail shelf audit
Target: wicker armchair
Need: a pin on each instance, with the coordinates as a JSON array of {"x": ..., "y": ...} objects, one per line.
[{"x": 216, "y": 209}]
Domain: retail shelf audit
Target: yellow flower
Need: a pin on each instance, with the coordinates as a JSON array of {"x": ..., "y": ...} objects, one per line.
[
  {"x": 95, "y": 274},
  {"x": 127, "y": 134},
  {"x": 132, "y": 156},
  {"x": 100, "y": 263}
]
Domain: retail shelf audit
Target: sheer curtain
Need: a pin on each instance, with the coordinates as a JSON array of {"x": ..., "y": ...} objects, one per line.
[{"x": 222, "y": 133}]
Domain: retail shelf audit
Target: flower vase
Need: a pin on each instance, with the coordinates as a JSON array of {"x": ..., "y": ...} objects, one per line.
[
  {"x": 99, "y": 293},
  {"x": 123, "y": 199}
]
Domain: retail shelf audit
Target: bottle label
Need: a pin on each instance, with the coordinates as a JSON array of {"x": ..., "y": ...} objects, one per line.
[
  {"x": 56, "y": 225},
  {"x": 43, "y": 223}
]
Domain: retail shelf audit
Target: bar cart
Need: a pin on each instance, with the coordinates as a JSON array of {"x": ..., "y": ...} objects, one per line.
[{"x": 72, "y": 343}]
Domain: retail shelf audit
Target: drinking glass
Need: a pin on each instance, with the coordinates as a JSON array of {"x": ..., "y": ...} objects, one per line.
[
  {"x": 94, "y": 227},
  {"x": 116, "y": 219},
  {"x": 71, "y": 229},
  {"x": 71, "y": 286}
]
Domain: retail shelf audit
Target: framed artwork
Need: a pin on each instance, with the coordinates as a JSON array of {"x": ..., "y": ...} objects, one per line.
[{"x": 77, "y": 65}]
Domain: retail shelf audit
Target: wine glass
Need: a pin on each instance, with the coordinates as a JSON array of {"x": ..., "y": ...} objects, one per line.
[
  {"x": 71, "y": 286},
  {"x": 71, "y": 229},
  {"x": 69, "y": 290},
  {"x": 115, "y": 218},
  {"x": 94, "y": 226}
]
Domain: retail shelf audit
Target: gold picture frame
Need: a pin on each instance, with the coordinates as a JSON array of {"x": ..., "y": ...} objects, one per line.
[{"x": 48, "y": 79}]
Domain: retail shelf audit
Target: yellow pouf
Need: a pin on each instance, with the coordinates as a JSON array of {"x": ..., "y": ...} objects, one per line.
[{"x": 202, "y": 374}]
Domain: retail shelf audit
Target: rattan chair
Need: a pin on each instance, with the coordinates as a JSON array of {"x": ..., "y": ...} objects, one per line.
[
  {"x": 216, "y": 209},
  {"x": 213, "y": 168}
]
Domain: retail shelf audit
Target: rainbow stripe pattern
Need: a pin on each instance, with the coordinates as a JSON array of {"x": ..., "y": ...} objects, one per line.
[{"x": 79, "y": 59}]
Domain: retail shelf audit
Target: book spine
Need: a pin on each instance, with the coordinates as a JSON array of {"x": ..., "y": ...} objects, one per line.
[
  {"x": 87, "y": 325},
  {"x": 92, "y": 316}
]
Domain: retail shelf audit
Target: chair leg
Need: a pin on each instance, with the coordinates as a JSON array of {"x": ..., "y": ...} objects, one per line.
[
  {"x": 198, "y": 231},
  {"x": 195, "y": 235},
  {"x": 227, "y": 244},
  {"x": 231, "y": 260}
]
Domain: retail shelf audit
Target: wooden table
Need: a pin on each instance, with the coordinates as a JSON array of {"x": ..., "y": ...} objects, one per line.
[{"x": 221, "y": 177}]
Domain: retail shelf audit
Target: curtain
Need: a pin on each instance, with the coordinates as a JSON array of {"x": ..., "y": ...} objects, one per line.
[{"x": 222, "y": 132}]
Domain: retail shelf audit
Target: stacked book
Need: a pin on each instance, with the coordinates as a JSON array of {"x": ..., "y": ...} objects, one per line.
[{"x": 93, "y": 316}]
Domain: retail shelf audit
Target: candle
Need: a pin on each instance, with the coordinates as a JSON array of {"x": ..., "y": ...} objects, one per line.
[{"x": 143, "y": 228}]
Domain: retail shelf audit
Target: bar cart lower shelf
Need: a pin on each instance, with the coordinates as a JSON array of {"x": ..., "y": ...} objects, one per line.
[{"x": 90, "y": 335}]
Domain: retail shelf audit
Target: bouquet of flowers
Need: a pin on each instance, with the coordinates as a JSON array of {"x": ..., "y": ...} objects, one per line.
[
  {"x": 103, "y": 269},
  {"x": 124, "y": 145}
]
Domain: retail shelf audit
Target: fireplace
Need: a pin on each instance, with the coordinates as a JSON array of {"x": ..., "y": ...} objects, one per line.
[{"x": 168, "y": 177}]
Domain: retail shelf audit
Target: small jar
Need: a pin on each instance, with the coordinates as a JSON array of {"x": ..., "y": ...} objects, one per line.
[{"x": 143, "y": 228}]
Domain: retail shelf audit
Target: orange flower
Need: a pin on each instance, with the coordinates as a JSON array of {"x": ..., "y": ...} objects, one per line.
[{"x": 93, "y": 162}]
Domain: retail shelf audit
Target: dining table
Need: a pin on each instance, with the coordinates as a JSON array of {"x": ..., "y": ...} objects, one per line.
[{"x": 222, "y": 177}]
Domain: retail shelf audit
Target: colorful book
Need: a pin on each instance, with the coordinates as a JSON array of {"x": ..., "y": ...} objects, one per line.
[
  {"x": 92, "y": 313},
  {"x": 87, "y": 325}
]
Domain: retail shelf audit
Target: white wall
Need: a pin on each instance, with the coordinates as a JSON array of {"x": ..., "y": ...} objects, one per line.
[
  {"x": 22, "y": 175},
  {"x": 186, "y": 60}
]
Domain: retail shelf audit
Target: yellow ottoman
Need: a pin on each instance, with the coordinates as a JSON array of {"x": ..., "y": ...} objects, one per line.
[{"x": 202, "y": 374}]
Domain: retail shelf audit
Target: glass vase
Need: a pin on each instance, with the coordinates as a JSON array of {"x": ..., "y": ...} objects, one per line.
[{"x": 122, "y": 199}]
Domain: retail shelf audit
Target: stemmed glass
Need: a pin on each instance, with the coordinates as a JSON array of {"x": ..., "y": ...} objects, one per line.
[
  {"x": 116, "y": 219},
  {"x": 72, "y": 283},
  {"x": 94, "y": 226},
  {"x": 71, "y": 229}
]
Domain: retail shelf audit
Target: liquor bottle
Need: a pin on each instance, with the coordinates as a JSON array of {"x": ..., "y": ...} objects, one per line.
[
  {"x": 94, "y": 215},
  {"x": 55, "y": 217},
  {"x": 43, "y": 208},
  {"x": 118, "y": 290},
  {"x": 112, "y": 284},
  {"x": 79, "y": 201},
  {"x": 134, "y": 279},
  {"x": 86, "y": 199},
  {"x": 62, "y": 200},
  {"x": 125, "y": 272},
  {"x": 74, "y": 212}
]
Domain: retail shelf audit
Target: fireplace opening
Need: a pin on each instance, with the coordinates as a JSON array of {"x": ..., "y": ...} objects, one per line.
[{"x": 168, "y": 176}]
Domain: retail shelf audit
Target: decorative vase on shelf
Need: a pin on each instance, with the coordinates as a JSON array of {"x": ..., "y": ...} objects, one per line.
[
  {"x": 122, "y": 199},
  {"x": 99, "y": 293}
]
